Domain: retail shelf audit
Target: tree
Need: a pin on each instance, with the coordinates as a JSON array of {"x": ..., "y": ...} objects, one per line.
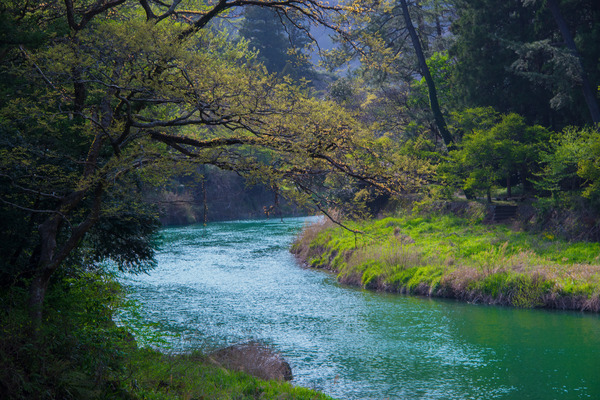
[
  {"x": 424, "y": 69},
  {"x": 571, "y": 167},
  {"x": 122, "y": 93},
  {"x": 496, "y": 149},
  {"x": 512, "y": 57},
  {"x": 588, "y": 93},
  {"x": 391, "y": 49},
  {"x": 280, "y": 43}
]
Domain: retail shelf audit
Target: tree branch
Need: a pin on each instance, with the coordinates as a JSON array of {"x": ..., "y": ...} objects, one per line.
[
  {"x": 201, "y": 144},
  {"x": 33, "y": 210},
  {"x": 146, "y": 6}
]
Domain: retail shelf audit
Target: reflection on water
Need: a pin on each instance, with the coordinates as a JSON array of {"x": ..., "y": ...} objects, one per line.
[{"x": 231, "y": 282}]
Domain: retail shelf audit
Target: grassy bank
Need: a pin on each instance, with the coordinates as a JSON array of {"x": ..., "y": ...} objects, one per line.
[
  {"x": 80, "y": 353},
  {"x": 195, "y": 376},
  {"x": 447, "y": 256}
]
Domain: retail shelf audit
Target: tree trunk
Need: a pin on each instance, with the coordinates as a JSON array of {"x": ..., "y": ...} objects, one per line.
[
  {"x": 433, "y": 99},
  {"x": 37, "y": 294},
  {"x": 48, "y": 232},
  {"x": 588, "y": 92},
  {"x": 469, "y": 194},
  {"x": 52, "y": 255},
  {"x": 508, "y": 186}
]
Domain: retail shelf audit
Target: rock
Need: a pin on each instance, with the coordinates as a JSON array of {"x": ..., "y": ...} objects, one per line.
[{"x": 255, "y": 359}]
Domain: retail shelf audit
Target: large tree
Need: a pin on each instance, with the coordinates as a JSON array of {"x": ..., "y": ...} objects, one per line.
[
  {"x": 440, "y": 121},
  {"x": 581, "y": 74},
  {"x": 118, "y": 92}
]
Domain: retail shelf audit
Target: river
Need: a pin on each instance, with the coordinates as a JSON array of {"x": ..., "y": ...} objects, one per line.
[{"x": 232, "y": 282}]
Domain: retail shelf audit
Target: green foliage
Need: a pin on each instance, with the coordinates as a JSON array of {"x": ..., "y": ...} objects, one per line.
[
  {"x": 392, "y": 65},
  {"x": 469, "y": 120},
  {"x": 160, "y": 376},
  {"x": 128, "y": 239},
  {"x": 18, "y": 28},
  {"x": 79, "y": 353},
  {"x": 440, "y": 68},
  {"x": 493, "y": 149},
  {"x": 120, "y": 97},
  {"x": 511, "y": 56},
  {"x": 450, "y": 256},
  {"x": 571, "y": 167}
]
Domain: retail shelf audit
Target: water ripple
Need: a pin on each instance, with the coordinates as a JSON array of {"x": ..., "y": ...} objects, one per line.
[{"x": 231, "y": 282}]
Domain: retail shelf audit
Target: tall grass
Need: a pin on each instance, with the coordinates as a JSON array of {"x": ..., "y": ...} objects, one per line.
[{"x": 453, "y": 257}]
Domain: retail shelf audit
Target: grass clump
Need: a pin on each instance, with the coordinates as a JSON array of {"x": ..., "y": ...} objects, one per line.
[
  {"x": 448, "y": 256},
  {"x": 196, "y": 376}
]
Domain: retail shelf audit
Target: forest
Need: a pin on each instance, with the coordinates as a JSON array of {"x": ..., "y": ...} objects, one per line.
[{"x": 110, "y": 109}]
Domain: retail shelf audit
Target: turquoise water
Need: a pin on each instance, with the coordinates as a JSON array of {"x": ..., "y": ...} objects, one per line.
[{"x": 236, "y": 281}]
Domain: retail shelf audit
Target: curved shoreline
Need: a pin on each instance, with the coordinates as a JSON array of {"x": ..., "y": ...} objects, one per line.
[
  {"x": 504, "y": 281},
  {"x": 449, "y": 291}
]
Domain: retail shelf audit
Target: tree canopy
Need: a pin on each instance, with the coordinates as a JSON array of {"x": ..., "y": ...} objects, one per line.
[
  {"x": 103, "y": 98},
  {"x": 119, "y": 93}
]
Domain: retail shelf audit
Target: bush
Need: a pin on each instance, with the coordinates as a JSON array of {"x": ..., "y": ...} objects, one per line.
[
  {"x": 495, "y": 151},
  {"x": 572, "y": 165},
  {"x": 77, "y": 352}
]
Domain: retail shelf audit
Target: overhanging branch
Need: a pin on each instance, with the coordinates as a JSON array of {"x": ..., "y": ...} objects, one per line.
[{"x": 201, "y": 144}]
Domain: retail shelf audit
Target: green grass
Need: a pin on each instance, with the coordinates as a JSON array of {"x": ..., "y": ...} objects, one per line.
[
  {"x": 80, "y": 353},
  {"x": 448, "y": 256},
  {"x": 193, "y": 376}
]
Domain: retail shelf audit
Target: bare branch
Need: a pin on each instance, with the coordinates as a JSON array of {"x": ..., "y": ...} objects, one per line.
[
  {"x": 27, "y": 190},
  {"x": 170, "y": 11},
  {"x": 38, "y": 69},
  {"x": 307, "y": 190},
  {"x": 96, "y": 9},
  {"x": 146, "y": 6},
  {"x": 33, "y": 210}
]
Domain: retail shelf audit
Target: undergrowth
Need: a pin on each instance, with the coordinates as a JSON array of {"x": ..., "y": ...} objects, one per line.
[
  {"x": 448, "y": 256},
  {"x": 80, "y": 353}
]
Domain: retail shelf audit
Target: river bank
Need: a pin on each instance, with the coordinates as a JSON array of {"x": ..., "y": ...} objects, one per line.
[
  {"x": 233, "y": 282},
  {"x": 80, "y": 353},
  {"x": 450, "y": 257}
]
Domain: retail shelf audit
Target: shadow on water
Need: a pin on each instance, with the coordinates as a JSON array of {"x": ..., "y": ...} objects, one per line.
[{"x": 232, "y": 282}]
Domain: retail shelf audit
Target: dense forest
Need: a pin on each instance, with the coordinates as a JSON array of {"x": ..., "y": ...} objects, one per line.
[{"x": 109, "y": 108}]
